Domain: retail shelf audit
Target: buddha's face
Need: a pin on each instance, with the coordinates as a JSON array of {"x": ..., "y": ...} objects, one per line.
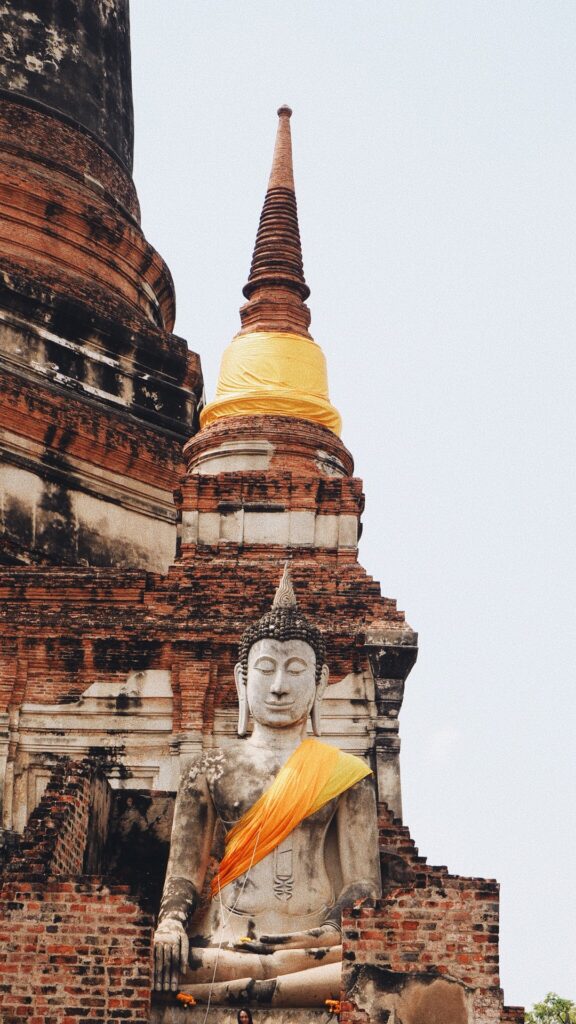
[{"x": 281, "y": 682}]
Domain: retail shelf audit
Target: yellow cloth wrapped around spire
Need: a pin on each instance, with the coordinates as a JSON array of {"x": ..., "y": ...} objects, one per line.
[
  {"x": 314, "y": 774},
  {"x": 273, "y": 373}
]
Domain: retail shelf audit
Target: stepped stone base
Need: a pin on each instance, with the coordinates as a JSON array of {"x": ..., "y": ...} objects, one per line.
[{"x": 165, "y": 1010}]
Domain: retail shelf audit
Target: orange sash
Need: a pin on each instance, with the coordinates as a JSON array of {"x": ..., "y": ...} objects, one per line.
[{"x": 314, "y": 774}]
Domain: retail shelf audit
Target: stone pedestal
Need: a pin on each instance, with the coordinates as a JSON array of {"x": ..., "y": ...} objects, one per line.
[{"x": 166, "y": 1010}]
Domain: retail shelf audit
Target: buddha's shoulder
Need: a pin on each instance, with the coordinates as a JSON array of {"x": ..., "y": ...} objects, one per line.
[{"x": 221, "y": 762}]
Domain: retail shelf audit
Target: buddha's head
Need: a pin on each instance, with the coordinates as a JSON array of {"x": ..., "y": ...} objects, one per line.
[{"x": 282, "y": 672}]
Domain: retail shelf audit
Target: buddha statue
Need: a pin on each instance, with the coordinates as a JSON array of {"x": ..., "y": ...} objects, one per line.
[{"x": 301, "y": 837}]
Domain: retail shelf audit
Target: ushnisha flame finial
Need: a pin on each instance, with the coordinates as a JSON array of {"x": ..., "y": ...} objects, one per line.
[{"x": 285, "y": 596}]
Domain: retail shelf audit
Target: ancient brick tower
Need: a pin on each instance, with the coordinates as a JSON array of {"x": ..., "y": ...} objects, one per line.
[
  {"x": 116, "y": 663},
  {"x": 99, "y": 394}
]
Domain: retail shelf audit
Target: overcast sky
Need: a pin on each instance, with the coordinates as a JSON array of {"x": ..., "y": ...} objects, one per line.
[{"x": 434, "y": 148}]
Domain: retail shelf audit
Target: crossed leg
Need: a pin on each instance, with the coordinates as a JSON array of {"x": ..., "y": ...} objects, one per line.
[{"x": 285, "y": 978}]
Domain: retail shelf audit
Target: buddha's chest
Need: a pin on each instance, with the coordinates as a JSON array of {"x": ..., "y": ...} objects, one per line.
[
  {"x": 238, "y": 786},
  {"x": 292, "y": 876}
]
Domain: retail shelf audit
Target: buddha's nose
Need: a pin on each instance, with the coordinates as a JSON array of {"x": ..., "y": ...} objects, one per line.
[{"x": 280, "y": 683}]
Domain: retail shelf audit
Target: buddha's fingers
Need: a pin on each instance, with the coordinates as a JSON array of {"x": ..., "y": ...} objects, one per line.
[
  {"x": 169, "y": 982},
  {"x": 215, "y": 964},
  {"x": 165, "y": 954},
  {"x": 170, "y": 955},
  {"x": 166, "y": 966},
  {"x": 173, "y": 974},
  {"x": 158, "y": 966},
  {"x": 184, "y": 950}
]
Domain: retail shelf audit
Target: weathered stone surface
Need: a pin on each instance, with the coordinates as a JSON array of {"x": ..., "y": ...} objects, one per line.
[
  {"x": 288, "y": 902},
  {"x": 81, "y": 484},
  {"x": 62, "y": 226},
  {"x": 70, "y": 943},
  {"x": 165, "y": 1011},
  {"x": 427, "y": 952},
  {"x": 73, "y": 56},
  {"x": 98, "y": 395},
  {"x": 133, "y": 668}
]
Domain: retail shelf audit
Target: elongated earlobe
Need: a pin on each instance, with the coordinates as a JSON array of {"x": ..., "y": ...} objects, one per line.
[
  {"x": 242, "y": 715},
  {"x": 316, "y": 717},
  {"x": 243, "y": 709},
  {"x": 316, "y": 712}
]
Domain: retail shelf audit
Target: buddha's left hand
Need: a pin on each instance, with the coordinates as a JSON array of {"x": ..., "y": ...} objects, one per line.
[{"x": 324, "y": 935}]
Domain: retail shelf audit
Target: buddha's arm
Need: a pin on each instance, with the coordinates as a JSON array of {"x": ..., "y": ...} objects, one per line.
[
  {"x": 357, "y": 825},
  {"x": 192, "y": 834}
]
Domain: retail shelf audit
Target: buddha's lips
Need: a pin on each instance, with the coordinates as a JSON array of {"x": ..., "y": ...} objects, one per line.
[{"x": 269, "y": 704}]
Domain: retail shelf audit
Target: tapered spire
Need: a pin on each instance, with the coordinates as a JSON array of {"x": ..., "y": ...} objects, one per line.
[
  {"x": 282, "y": 173},
  {"x": 276, "y": 287},
  {"x": 273, "y": 366}
]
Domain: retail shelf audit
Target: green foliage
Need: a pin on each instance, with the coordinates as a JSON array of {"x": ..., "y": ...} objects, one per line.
[{"x": 553, "y": 1010}]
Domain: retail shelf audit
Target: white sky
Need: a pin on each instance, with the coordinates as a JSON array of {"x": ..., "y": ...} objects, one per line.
[{"x": 434, "y": 149}]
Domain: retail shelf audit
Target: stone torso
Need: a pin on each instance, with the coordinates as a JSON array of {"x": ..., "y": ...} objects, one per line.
[{"x": 290, "y": 888}]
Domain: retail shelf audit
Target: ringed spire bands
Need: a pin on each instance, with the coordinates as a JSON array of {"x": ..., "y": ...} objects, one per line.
[
  {"x": 273, "y": 366},
  {"x": 277, "y": 259}
]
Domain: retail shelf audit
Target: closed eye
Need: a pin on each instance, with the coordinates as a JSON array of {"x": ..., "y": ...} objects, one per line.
[
  {"x": 265, "y": 665},
  {"x": 295, "y": 666}
]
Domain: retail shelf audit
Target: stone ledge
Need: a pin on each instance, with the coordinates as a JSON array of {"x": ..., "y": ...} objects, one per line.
[{"x": 165, "y": 1010}]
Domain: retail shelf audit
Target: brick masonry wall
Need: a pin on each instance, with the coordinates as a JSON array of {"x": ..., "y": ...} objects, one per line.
[
  {"x": 101, "y": 437},
  {"x": 72, "y": 947},
  {"x": 55, "y": 838},
  {"x": 54, "y": 218},
  {"x": 62, "y": 629},
  {"x": 99, "y": 394},
  {"x": 448, "y": 929},
  {"x": 429, "y": 925},
  {"x": 431, "y": 930},
  {"x": 30, "y": 133},
  {"x": 512, "y": 1015},
  {"x": 66, "y": 628},
  {"x": 73, "y": 950}
]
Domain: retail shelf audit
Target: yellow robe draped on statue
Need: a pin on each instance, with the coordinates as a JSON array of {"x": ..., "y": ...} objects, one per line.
[{"x": 314, "y": 774}]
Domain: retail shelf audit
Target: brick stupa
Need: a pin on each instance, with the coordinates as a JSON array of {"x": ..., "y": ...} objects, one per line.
[
  {"x": 113, "y": 675},
  {"x": 99, "y": 395}
]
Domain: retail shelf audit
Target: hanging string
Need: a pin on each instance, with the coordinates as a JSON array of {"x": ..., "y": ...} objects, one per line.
[{"x": 224, "y": 922}]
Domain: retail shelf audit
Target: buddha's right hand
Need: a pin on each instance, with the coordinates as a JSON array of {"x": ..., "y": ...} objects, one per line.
[
  {"x": 325, "y": 935},
  {"x": 170, "y": 955}
]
